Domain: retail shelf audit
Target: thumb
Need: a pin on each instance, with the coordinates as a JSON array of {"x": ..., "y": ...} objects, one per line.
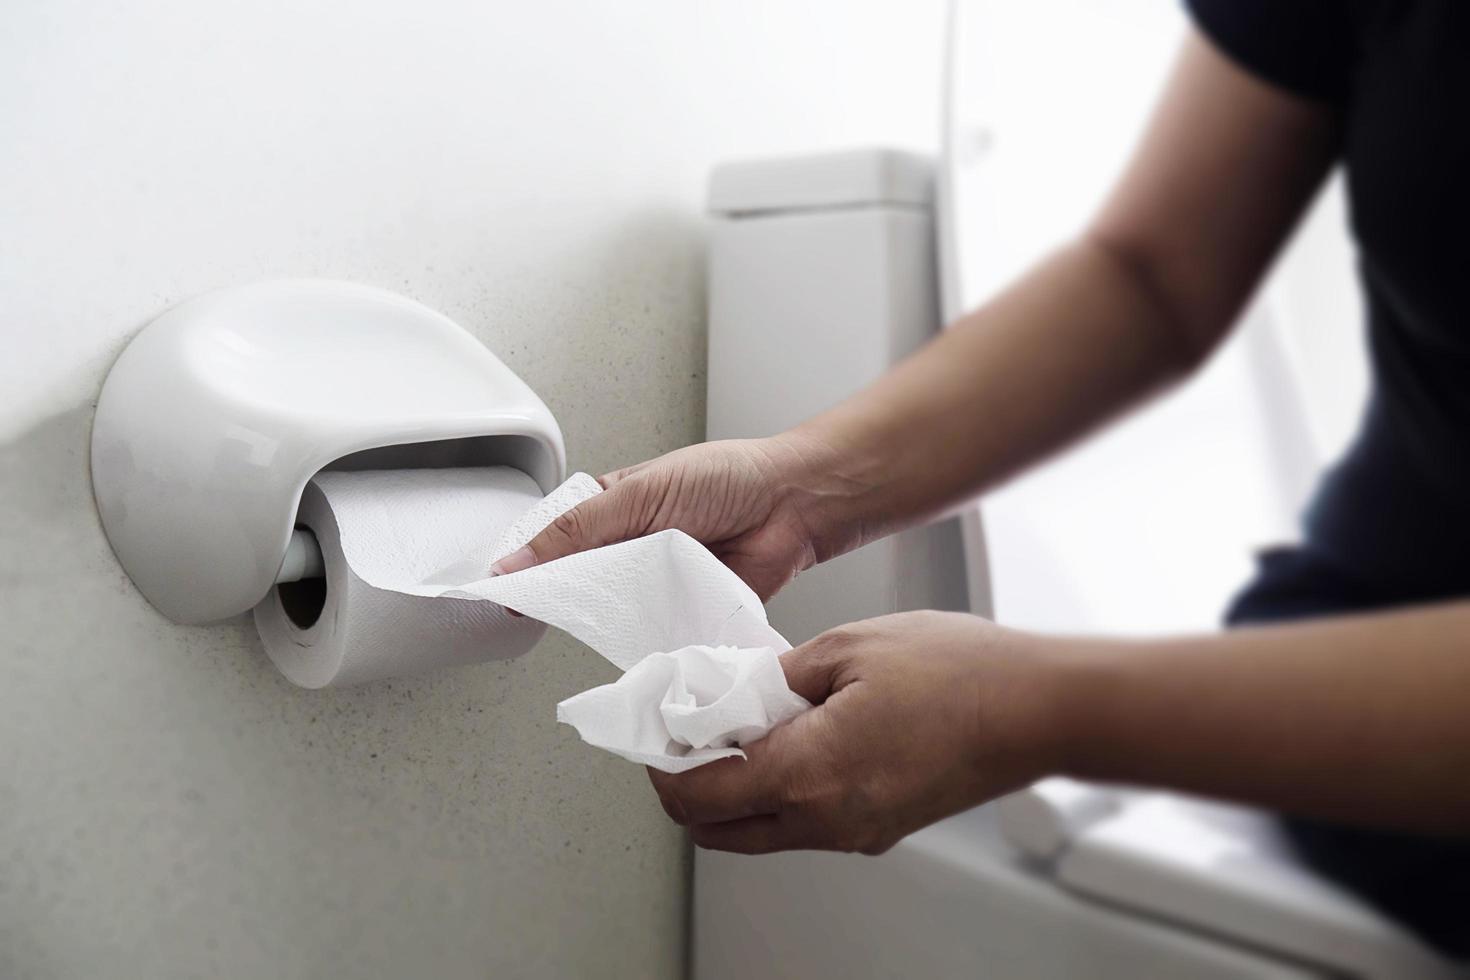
[
  {"x": 812, "y": 669},
  {"x": 596, "y": 521}
]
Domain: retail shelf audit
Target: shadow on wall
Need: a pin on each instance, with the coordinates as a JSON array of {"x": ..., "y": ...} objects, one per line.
[
  {"x": 71, "y": 611},
  {"x": 49, "y": 520}
]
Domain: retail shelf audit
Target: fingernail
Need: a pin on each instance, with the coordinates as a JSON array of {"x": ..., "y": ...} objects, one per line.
[{"x": 514, "y": 562}]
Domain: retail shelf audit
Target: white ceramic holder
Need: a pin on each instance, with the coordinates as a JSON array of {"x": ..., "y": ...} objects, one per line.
[{"x": 218, "y": 413}]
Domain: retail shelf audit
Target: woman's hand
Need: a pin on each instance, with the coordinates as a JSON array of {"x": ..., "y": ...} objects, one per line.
[
  {"x": 755, "y": 503},
  {"x": 919, "y": 716}
]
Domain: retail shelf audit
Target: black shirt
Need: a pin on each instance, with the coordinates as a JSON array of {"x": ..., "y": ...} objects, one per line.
[
  {"x": 1395, "y": 515},
  {"x": 1390, "y": 523}
]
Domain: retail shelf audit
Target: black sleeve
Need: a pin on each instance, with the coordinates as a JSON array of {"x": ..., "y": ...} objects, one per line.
[{"x": 1303, "y": 46}]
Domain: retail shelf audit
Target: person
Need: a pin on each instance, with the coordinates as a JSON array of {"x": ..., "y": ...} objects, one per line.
[{"x": 1354, "y": 717}]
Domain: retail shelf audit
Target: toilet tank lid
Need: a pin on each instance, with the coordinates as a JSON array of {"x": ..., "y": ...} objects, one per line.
[{"x": 820, "y": 182}]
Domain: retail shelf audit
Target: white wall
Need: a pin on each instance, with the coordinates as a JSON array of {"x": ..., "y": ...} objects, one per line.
[
  {"x": 1151, "y": 526},
  {"x": 169, "y": 806}
]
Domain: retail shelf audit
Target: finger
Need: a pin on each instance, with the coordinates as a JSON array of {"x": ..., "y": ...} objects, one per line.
[
  {"x": 756, "y": 835},
  {"x": 763, "y": 576},
  {"x": 769, "y": 558},
  {"x": 616, "y": 476},
  {"x": 729, "y": 789},
  {"x": 597, "y": 521},
  {"x": 811, "y": 669}
]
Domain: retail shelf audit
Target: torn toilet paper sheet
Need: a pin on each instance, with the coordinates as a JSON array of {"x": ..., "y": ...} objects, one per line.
[{"x": 702, "y": 668}]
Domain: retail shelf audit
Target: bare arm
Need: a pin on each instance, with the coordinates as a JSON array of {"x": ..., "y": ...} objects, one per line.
[
  {"x": 920, "y": 715},
  {"x": 1359, "y": 718},
  {"x": 1135, "y": 303}
]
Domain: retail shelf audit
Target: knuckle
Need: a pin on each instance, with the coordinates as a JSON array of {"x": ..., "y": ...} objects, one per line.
[
  {"x": 674, "y": 811},
  {"x": 869, "y": 836},
  {"x": 674, "y": 806},
  {"x": 860, "y": 828},
  {"x": 801, "y": 793},
  {"x": 570, "y": 527},
  {"x": 846, "y": 633},
  {"x": 669, "y": 796},
  {"x": 790, "y": 798},
  {"x": 836, "y": 638},
  {"x": 631, "y": 506},
  {"x": 904, "y": 623}
]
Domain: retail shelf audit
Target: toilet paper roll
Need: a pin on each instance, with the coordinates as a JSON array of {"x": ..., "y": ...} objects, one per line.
[
  {"x": 407, "y": 554},
  {"x": 383, "y": 533}
]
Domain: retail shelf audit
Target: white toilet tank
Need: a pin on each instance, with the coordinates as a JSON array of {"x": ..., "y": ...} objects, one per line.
[{"x": 822, "y": 273}]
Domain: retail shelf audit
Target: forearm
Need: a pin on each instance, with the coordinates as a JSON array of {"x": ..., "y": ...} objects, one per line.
[
  {"x": 1069, "y": 346},
  {"x": 1362, "y": 718},
  {"x": 1224, "y": 169}
]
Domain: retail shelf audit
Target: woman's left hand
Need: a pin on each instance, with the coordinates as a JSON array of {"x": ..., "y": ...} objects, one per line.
[{"x": 918, "y": 716}]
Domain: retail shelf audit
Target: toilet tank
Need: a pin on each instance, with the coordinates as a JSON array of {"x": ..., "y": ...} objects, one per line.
[{"x": 822, "y": 274}]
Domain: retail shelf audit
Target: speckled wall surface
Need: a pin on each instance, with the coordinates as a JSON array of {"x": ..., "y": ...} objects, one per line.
[{"x": 169, "y": 805}]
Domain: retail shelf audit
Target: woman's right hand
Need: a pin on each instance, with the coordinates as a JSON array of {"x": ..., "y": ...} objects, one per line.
[{"x": 750, "y": 501}]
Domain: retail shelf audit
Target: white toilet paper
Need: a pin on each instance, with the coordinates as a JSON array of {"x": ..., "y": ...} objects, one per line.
[
  {"x": 675, "y": 711},
  {"x": 382, "y": 533},
  {"x": 406, "y": 556}
]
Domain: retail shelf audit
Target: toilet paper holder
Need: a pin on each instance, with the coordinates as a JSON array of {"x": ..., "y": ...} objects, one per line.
[{"x": 219, "y": 411}]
